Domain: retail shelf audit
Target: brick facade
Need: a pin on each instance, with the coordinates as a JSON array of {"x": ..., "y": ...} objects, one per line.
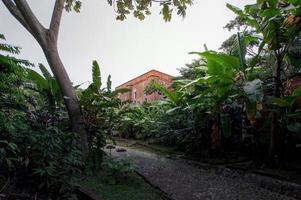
[{"x": 138, "y": 85}]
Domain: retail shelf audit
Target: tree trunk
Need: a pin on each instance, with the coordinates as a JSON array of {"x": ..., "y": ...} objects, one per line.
[
  {"x": 68, "y": 92},
  {"x": 274, "y": 132}
]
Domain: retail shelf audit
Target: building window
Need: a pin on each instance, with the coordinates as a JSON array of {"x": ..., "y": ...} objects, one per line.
[{"x": 134, "y": 94}]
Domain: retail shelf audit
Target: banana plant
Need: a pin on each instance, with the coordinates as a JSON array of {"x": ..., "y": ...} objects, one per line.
[
  {"x": 47, "y": 86},
  {"x": 250, "y": 85},
  {"x": 219, "y": 89},
  {"x": 100, "y": 106},
  {"x": 293, "y": 117},
  {"x": 226, "y": 85},
  {"x": 279, "y": 24}
]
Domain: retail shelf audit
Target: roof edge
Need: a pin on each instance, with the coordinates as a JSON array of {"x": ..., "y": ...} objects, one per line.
[{"x": 153, "y": 70}]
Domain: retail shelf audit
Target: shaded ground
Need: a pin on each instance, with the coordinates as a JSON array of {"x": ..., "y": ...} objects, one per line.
[
  {"x": 132, "y": 188},
  {"x": 188, "y": 180},
  {"x": 291, "y": 172}
]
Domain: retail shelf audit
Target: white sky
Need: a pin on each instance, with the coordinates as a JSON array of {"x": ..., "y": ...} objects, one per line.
[{"x": 124, "y": 49}]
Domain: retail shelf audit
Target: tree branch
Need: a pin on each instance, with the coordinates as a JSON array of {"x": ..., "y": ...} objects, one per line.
[
  {"x": 16, "y": 13},
  {"x": 56, "y": 18},
  {"x": 37, "y": 28}
]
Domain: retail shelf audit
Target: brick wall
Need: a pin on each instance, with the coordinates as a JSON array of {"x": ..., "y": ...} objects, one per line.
[{"x": 138, "y": 85}]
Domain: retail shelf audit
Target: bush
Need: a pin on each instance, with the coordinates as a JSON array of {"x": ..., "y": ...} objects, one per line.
[
  {"x": 37, "y": 158},
  {"x": 117, "y": 168},
  {"x": 37, "y": 153}
]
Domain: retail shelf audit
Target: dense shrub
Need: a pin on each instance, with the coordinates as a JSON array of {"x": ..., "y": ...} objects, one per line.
[{"x": 38, "y": 154}]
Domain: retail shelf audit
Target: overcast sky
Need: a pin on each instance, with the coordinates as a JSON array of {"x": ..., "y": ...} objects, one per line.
[{"x": 124, "y": 49}]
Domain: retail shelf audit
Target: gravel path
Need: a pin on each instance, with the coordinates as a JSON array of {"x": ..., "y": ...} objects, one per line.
[{"x": 183, "y": 180}]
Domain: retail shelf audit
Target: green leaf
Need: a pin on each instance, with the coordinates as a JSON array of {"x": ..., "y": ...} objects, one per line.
[
  {"x": 119, "y": 91},
  {"x": 248, "y": 19},
  {"x": 166, "y": 12},
  {"x": 287, "y": 101},
  {"x": 45, "y": 72},
  {"x": 295, "y": 2},
  {"x": 2, "y": 36},
  {"x": 250, "y": 109},
  {"x": 173, "y": 109},
  {"x": 96, "y": 77},
  {"x": 220, "y": 64},
  {"x": 39, "y": 80},
  {"x": 294, "y": 127},
  {"x": 226, "y": 125},
  {"x": 235, "y": 9},
  {"x": 297, "y": 92},
  {"x": 253, "y": 90},
  {"x": 109, "y": 83}
]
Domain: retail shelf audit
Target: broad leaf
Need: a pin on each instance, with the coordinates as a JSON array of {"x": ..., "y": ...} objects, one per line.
[
  {"x": 45, "y": 72},
  {"x": 39, "y": 80},
  {"x": 96, "y": 77},
  {"x": 253, "y": 90}
]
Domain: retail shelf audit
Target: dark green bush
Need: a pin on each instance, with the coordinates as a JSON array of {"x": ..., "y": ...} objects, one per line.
[
  {"x": 38, "y": 154},
  {"x": 117, "y": 168}
]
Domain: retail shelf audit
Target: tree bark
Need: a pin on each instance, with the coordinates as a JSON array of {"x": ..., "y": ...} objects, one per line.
[
  {"x": 274, "y": 132},
  {"x": 70, "y": 99}
]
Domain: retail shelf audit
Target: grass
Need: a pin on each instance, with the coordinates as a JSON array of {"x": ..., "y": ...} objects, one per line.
[{"x": 132, "y": 188}]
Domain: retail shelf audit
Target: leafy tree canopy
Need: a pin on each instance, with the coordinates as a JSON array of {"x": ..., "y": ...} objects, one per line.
[{"x": 139, "y": 8}]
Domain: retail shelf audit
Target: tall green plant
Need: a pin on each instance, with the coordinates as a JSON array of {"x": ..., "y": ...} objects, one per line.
[
  {"x": 46, "y": 86},
  {"x": 273, "y": 21}
]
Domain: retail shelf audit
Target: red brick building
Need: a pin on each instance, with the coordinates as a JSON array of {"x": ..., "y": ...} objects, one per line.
[{"x": 137, "y": 86}]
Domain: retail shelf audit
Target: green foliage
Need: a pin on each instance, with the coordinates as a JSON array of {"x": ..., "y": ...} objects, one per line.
[
  {"x": 53, "y": 157},
  {"x": 139, "y": 8},
  {"x": 193, "y": 70},
  {"x": 48, "y": 155},
  {"x": 46, "y": 86},
  {"x": 288, "y": 101},
  {"x": 292, "y": 119},
  {"x": 221, "y": 92},
  {"x": 117, "y": 168},
  {"x": 142, "y": 8},
  {"x": 94, "y": 161},
  {"x": 133, "y": 187},
  {"x": 141, "y": 121},
  {"x": 12, "y": 75},
  {"x": 8, "y": 48},
  {"x": 100, "y": 108},
  {"x": 96, "y": 76},
  {"x": 271, "y": 21},
  {"x": 185, "y": 117},
  {"x": 8, "y": 151},
  {"x": 73, "y": 5},
  {"x": 36, "y": 151},
  {"x": 109, "y": 84},
  {"x": 223, "y": 98},
  {"x": 279, "y": 25}
]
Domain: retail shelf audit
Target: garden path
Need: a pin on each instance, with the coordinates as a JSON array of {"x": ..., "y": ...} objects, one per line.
[{"x": 186, "y": 180}]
